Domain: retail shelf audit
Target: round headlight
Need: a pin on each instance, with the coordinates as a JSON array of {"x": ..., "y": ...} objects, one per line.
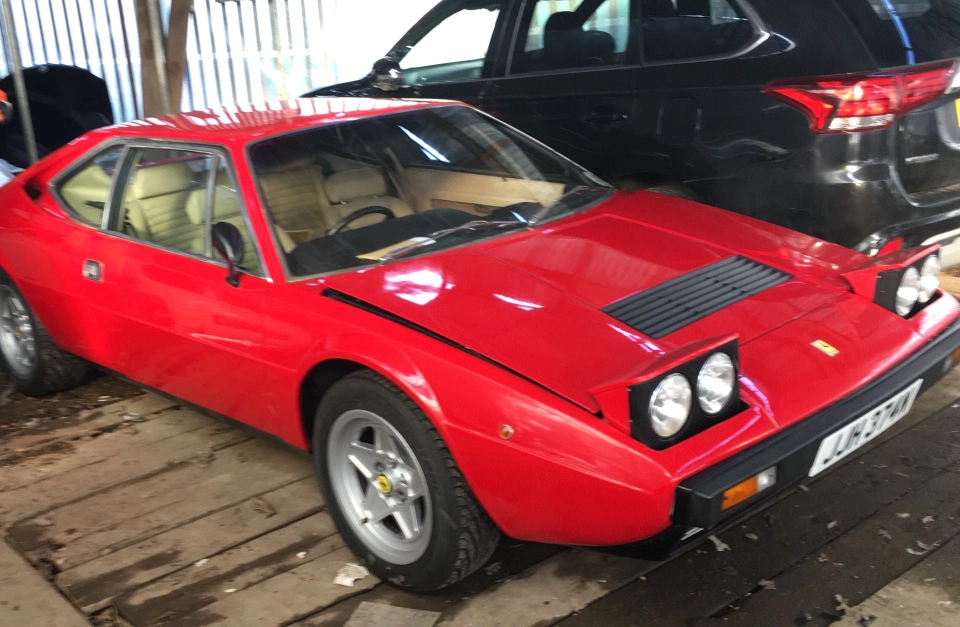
[
  {"x": 929, "y": 277},
  {"x": 715, "y": 383},
  {"x": 908, "y": 293},
  {"x": 670, "y": 405}
]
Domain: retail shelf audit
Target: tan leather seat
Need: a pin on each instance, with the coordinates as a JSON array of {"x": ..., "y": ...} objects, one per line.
[
  {"x": 226, "y": 208},
  {"x": 86, "y": 192},
  {"x": 295, "y": 197},
  {"x": 353, "y": 190},
  {"x": 155, "y": 203}
]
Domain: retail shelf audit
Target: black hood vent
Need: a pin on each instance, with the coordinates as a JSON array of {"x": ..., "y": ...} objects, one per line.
[{"x": 663, "y": 309}]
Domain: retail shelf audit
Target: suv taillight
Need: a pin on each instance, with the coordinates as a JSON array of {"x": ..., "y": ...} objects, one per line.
[{"x": 857, "y": 102}]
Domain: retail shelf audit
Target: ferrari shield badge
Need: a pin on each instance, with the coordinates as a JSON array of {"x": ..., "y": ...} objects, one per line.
[{"x": 825, "y": 347}]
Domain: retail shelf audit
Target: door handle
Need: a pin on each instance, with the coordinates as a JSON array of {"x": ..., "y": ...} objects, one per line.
[
  {"x": 92, "y": 270},
  {"x": 605, "y": 117}
]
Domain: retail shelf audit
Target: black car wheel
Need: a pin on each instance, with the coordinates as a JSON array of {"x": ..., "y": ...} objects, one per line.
[
  {"x": 393, "y": 488},
  {"x": 36, "y": 365}
]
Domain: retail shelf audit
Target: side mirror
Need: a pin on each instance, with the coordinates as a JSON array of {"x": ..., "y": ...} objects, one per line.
[
  {"x": 386, "y": 75},
  {"x": 228, "y": 243}
]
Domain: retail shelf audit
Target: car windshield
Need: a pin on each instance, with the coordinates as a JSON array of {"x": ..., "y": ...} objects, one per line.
[{"x": 351, "y": 194}]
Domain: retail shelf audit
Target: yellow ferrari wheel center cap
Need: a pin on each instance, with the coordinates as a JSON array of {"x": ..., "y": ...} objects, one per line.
[{"x": 384, "y": 484}]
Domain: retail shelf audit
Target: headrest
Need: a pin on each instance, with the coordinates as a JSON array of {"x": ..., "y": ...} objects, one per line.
[
  {"x": 562, "y": 20},
  {"x": 353, "y": 184},
  {"x": 157, "y": 180},
  {"x": 600, "y": 46},
  {"x": 226, "y": 204}
]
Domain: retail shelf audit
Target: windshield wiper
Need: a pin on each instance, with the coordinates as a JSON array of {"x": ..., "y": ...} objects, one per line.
[
  {"x": 432, "y": 238},
  {"x": 564, "y": 202}
]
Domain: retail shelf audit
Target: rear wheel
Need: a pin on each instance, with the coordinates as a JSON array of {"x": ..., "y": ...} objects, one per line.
[
  {"x": 393, "y": 488},
  {"x": 35, "y": 364}
]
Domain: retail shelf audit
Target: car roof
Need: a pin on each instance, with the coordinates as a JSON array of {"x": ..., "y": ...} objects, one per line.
[{"x": 243, "y": 123}]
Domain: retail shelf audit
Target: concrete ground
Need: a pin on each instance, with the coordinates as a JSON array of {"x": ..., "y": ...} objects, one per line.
[{"x": 140, "y": 512}]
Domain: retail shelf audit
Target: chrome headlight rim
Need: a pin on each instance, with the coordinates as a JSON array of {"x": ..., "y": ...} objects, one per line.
[
  {"x": 929, "y": 281},
  {"x": 676, "y": 390},
  {"x": 719, "y": 367},
  {"x": 908, "y": 292},
  {"x": 641, "y": 393}
]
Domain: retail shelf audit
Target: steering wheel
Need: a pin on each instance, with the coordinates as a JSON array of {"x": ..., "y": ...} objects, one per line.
[{"x": 359, "y": 213}]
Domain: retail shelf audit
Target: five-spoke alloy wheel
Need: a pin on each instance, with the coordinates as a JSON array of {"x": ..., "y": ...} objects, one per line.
[
  {"x": 393, "y": 488},
  {"x": 17, "y": 339},
  {"x": 378, "y": 481},
  {"x": 28, "y": 354}
]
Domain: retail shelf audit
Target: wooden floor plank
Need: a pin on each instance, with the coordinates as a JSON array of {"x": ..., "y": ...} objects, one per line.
[
  {"x": 163, "y": 426},
  {"x": 858, "y": 563},
  {"x": 135, "y": 565},
  {"x": 927, "y": 595},
  {"x": 124, "y": 464},
  {"x": 512, "y": 558},
  {"x": 285, "y": 597},
  {"x": 17, "y": 445},
  {"x": 118, "y": 517},
  {"x": 796, "y": 526},
  {"x": 174, "y": 596}
]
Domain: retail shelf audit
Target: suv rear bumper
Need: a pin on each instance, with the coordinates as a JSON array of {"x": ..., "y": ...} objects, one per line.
[{"x": 697, "y": 506}]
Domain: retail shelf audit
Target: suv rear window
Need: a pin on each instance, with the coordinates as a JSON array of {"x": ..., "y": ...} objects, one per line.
[{"x": 904, "y": 32}]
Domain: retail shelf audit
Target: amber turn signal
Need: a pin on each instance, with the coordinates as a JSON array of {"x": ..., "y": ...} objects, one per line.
[{"x": 749, "y": 488}]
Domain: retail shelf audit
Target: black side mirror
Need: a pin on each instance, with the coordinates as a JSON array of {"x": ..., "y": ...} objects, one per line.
[
  {"x": 229, "y": 244},
  {"x": 386, "y": 75}
]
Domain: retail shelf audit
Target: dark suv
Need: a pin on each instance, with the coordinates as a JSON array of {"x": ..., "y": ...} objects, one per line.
[{"x": 838, "y": 118}]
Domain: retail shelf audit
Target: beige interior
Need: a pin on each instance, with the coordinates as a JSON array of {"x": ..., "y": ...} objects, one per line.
[
  {"x": 88, "y": 187},
  {"x": 226, "y": 207},
  {"x": 155, "y": 205},
  {"x": 305, "y": 204},
  {"x": 476, "y": 193}
]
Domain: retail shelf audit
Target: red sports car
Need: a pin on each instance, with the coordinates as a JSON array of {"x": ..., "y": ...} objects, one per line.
[{"x": 470, "y": 332}]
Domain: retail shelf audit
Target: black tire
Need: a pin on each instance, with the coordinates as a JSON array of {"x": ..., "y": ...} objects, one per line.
[
  {"x": 463, "y": 537},
  {"x": 53, "y": 370}
]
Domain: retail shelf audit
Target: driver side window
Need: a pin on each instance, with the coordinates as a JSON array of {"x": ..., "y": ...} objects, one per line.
[
  {"x": 166, "y": 201},
  {"x": 455, "y": 48}
]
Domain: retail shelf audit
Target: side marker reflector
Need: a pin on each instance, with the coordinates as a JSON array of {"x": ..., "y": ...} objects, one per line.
[{"x": 749, "y": 488}]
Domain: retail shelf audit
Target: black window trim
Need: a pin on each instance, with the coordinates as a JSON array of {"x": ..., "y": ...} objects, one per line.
[
  {"x": 487, "y": 70},
  {"x": 219, "y": 154},
  {"x": 761, "y": 33}
]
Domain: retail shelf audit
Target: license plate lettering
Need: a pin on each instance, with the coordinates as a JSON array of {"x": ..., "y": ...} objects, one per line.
[{"x": 858, "y": 433}]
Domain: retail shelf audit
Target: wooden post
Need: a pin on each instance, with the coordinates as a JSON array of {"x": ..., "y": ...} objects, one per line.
[
  {"x": 152, "y": 99},
  {"x": 177, "y": 49}
]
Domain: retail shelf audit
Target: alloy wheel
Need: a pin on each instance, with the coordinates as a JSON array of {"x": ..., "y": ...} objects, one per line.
[
  {"x": 17, "y": 337},
  {"x": 379, "y": 485}
]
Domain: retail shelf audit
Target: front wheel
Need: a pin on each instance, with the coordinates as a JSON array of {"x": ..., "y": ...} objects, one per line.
[
  {"x": 37, "y": 366},
  {"x": 393, "y": 488}
]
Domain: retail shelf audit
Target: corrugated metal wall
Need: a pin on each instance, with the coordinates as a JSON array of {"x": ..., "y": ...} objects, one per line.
[{"x": 238, "y": 51}]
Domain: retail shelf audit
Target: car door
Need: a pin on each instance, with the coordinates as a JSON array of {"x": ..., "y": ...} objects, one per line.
[
  {"x": 450, "y": 53},
  {"x": 570, "y": 75},
  {"x": 183, "y": 329}
]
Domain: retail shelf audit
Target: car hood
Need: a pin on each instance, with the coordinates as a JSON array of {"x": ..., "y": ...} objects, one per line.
[{"x": 534, "y": 301}]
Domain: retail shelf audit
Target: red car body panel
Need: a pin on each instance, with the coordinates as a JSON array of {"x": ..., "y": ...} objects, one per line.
[{"x": 541, "y": 355}]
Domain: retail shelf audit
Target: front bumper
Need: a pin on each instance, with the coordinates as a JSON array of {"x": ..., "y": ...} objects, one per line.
[{"x": 697, "y": 505}]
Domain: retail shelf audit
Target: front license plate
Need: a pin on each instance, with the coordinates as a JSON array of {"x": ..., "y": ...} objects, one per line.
[{"x": 841, "y": 443}]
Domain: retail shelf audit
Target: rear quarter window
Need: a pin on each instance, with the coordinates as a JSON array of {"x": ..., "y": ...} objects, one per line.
[
  {"x": 85, "y": 191},
  {"x": 904, "y": 32}
]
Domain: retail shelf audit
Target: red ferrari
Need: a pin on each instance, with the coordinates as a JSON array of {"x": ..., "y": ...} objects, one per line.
[{"x": 471, "y": 333}]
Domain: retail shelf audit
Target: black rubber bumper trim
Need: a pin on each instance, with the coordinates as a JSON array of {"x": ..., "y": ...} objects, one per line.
[{"x": 697, "y": 510}]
